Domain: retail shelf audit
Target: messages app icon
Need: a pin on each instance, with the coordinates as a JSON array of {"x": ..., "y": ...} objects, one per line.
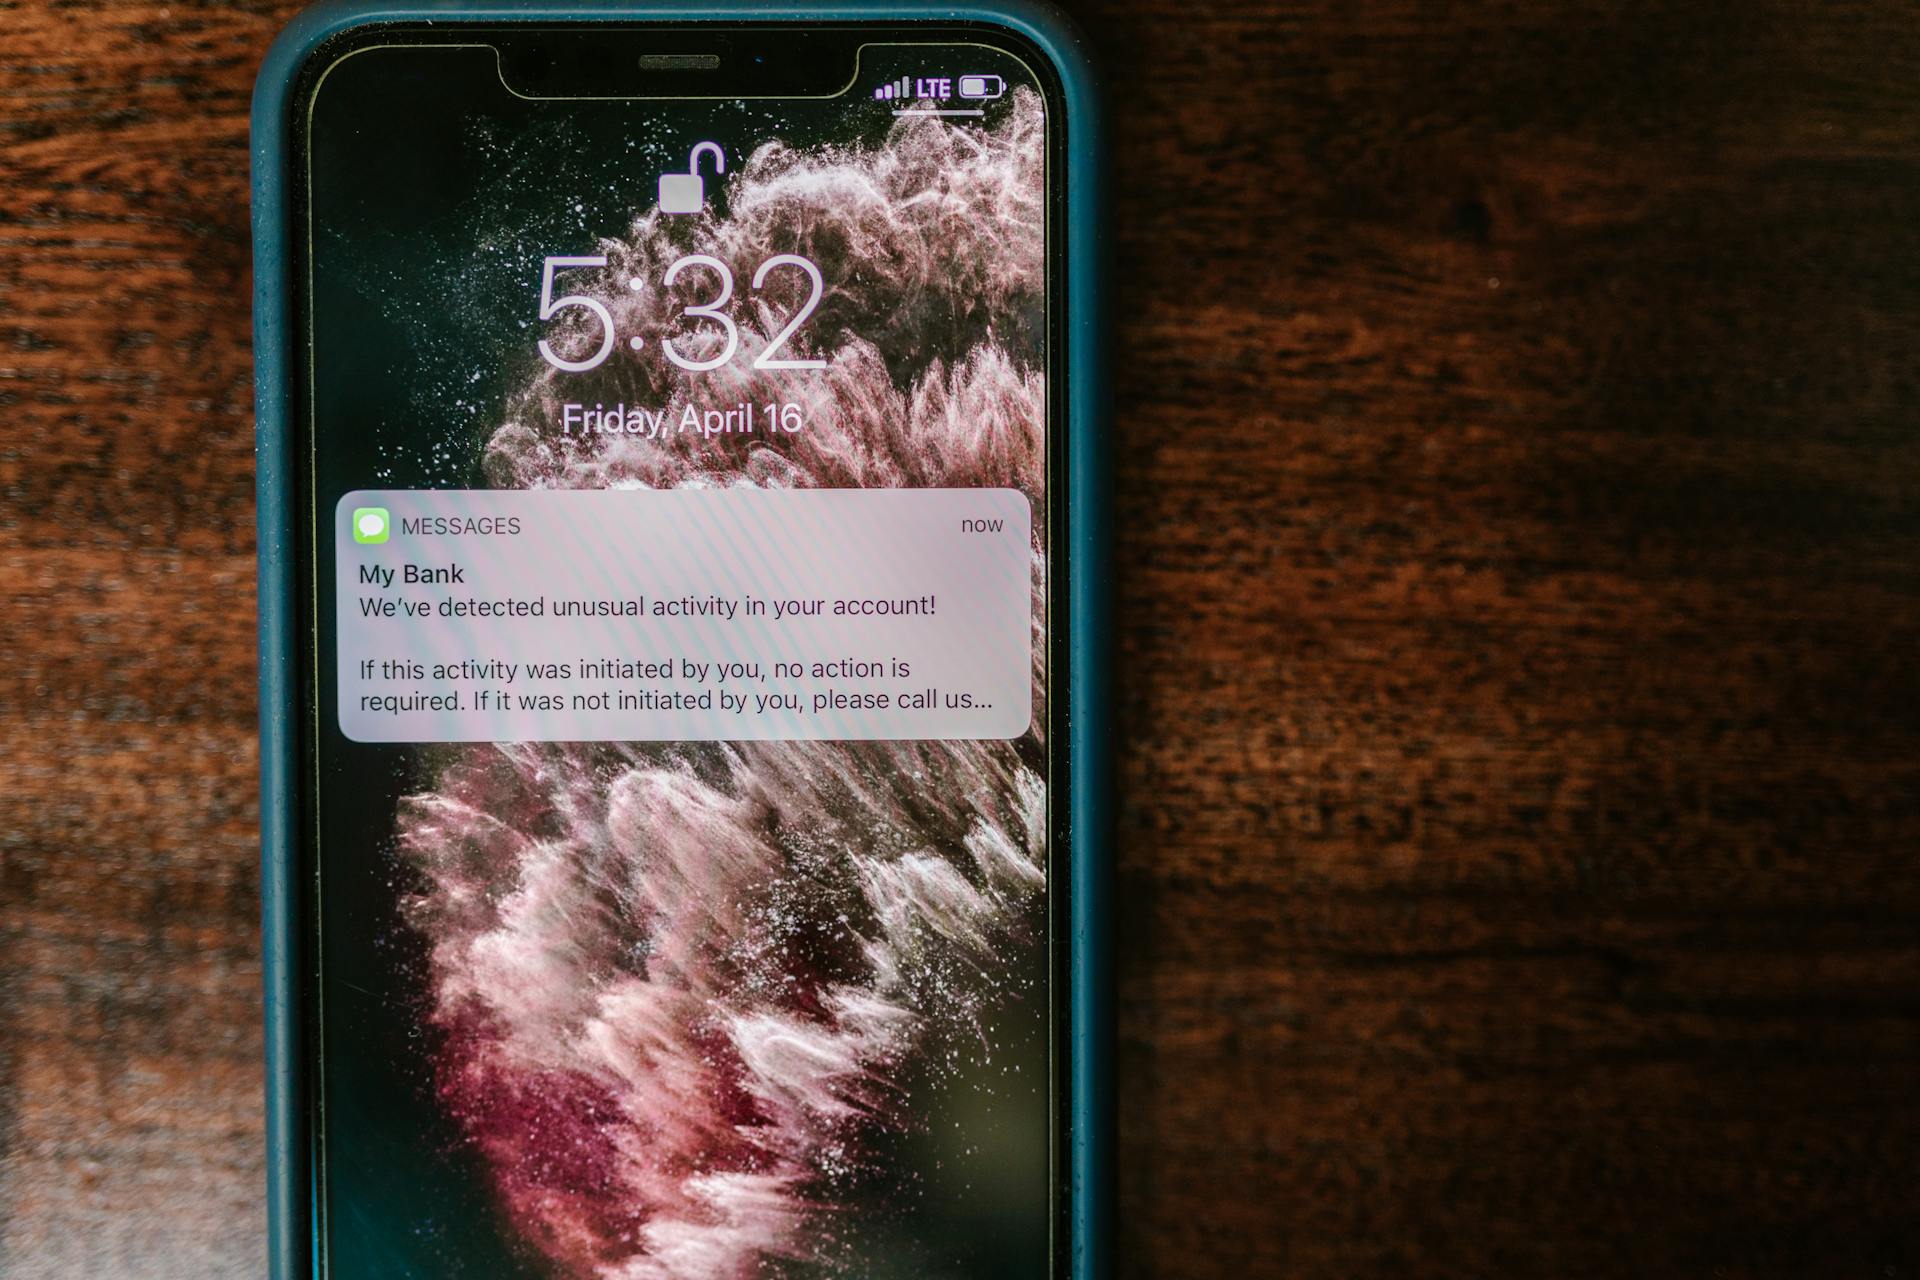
[{"x": 370, "y": 524}]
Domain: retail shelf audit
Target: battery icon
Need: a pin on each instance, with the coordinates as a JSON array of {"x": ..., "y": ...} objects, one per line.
[{"x": 982, "y": 86}]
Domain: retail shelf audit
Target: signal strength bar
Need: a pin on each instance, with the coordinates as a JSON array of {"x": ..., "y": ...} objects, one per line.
[{"x": 901, "y": 88}]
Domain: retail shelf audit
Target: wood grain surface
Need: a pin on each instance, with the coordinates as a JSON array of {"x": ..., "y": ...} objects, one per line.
[{"x": 1519, "y": 503}]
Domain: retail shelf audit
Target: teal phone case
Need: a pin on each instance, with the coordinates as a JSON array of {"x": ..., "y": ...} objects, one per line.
[{"x": 1089, "y": 1156}]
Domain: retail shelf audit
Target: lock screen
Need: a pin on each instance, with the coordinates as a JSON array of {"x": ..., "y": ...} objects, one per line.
[{"x": 692, "y": 1008}]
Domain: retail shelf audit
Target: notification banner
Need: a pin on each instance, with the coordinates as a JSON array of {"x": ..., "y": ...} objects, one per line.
[{"x": 684, "y": 614}]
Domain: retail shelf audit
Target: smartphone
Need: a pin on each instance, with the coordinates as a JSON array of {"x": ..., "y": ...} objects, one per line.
[{"x": 681, "y": 605}]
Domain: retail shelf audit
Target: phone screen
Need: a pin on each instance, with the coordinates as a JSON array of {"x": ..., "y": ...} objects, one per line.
[{"x": 679, "y": 483}]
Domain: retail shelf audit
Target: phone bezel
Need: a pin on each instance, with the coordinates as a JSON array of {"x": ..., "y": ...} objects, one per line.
[{"x": 1076, "y": 604}]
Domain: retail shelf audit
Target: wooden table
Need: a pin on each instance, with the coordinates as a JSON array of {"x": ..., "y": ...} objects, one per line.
[{"x": 1519, "y": 493}]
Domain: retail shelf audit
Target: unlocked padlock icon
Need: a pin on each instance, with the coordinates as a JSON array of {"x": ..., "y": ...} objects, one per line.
[{"x": 687, "y": 192}]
